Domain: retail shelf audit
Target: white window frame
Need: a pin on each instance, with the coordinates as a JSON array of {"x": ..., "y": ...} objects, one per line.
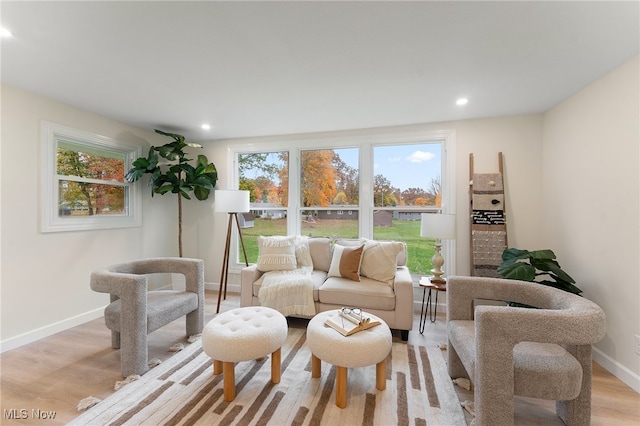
[
  {"x": 365, "y": 141},
  {"x": 51, "y": 221}
]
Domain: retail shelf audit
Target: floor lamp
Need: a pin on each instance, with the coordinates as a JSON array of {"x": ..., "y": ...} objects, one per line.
[
  {"x": 441, "y": 227},
  {"x": 231, "y": 202}
]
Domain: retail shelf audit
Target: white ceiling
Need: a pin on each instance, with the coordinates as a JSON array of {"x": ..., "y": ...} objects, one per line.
[{"x": 267, "y": 68}]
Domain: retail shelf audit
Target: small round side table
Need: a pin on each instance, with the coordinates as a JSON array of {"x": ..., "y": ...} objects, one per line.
[{"x": 426, "y": 284}]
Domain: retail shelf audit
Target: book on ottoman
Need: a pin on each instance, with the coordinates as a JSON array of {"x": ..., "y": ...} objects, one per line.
[{"x": 350, "y": 320}]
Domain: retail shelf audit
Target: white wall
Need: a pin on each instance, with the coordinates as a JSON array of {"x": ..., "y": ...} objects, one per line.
[
  {"x": 45, "y": 277},
  {"x": 591, "y": 208},
  {"x": 519, "y": 138}
]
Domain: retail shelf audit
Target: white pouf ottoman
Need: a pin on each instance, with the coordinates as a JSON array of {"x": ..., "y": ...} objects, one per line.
[
  {"x": 367, "y": 347},
  {"x": 244, "y": 334}
]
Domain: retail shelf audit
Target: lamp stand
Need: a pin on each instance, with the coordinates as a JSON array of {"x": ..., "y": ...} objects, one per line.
[
  {"x": 227, "y": 253},
  {"x": 437, "y": 261}
]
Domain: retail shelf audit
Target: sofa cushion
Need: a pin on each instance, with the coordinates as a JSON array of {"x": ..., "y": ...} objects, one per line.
[
  {"x": 366, "y": 294},
  {"x": 345, "y": 262},
  {"x": 276, "y": 253},
  {"x": 320, "y": 249}
]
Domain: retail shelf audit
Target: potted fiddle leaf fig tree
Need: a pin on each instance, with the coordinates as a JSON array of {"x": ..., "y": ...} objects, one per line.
[
  {"x": 175, "y": 175},
  {"x": 538, "y": 266}
]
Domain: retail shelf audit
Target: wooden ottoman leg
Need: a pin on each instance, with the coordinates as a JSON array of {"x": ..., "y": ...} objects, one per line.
[
  {"x": 275, "y": 366},
  {"x": 381, "y": 375},
  {"x": 229, "y": 379},
  {"x": 217, "y": 367},
  {"x": 341, "y": 386},
  {"x": 315, "y": 366}
]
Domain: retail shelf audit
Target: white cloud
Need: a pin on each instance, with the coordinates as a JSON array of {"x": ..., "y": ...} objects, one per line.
[{"x": 420, "y": 156}]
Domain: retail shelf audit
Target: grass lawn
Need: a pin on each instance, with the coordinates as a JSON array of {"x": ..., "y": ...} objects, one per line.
[{"x": 420, "y": 250}]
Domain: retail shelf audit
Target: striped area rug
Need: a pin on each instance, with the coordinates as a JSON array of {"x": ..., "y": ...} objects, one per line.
[{"x": 184, "y": 391}]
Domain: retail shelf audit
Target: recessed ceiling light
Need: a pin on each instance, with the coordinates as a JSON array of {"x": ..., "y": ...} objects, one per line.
[
  {"x": 5, "y": 33},
  {"x": 206, "y": 126},
  {"x": 462, "y": 101}
]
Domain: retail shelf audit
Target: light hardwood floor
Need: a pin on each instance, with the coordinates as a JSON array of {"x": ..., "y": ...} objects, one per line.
[{"x": 54, "y": 374}]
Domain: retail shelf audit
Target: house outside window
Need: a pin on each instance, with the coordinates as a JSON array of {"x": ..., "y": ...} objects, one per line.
[{"x": 83, "y": 185}]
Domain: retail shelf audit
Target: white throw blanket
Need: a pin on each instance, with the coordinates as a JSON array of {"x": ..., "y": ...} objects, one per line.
[{"x": 288, "y": 292}]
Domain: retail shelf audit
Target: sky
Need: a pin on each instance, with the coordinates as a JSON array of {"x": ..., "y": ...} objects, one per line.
[{"x": 405, "y": 166}]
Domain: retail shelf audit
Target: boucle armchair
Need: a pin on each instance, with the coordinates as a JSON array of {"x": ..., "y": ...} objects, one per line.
[
  {"x": 134, "y": 311},
  {"x": 541, "y": 353}
]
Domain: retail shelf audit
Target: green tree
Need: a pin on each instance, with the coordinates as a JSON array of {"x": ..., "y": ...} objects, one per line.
[{"x": 248, "y": 185}]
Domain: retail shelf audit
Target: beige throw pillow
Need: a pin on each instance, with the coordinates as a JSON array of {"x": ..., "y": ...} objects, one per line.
[
  {"x": 303, "y": 254},
  {"x": 345, "y": 262},
  {"x": 276, "y": 253},
  {"x": 379, "y": 260}
]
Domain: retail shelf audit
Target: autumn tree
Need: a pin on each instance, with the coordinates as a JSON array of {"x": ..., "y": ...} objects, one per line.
[
  {"x": 435, "y": 191},
  {"x": 410, "y": 195},
  {"x": 283, "y": 175},
  {"x": 318, "y": 178},
  {"x": 346, "y": 180},
  {"x": 264, "y": 187},
  {"x": 341, "y": 198},
  {"x": 96, "y": 196},
  {"x": 383, "y": 192}
]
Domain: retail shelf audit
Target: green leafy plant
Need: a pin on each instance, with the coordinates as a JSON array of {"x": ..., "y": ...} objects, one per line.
[
  {"x": 176, "y": 175},
  {"x": 536, "y": 266}
]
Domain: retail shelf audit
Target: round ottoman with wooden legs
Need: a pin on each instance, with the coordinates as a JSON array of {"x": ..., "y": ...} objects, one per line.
[
  {"x": 366, "y": 347},
  {"x": 244, "y": 334}
]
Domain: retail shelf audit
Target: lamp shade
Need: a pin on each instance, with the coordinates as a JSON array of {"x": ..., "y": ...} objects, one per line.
[
  {"x": 441, "y": 226},
  {"x": 232, "y": 201}
]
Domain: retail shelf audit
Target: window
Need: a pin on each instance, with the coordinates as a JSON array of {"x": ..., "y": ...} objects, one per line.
[
  {"x": 406, "y": 183},
  {"x": 266, "y": 176},
  {"x": 83, "y": 181},
  {"x": 371, "y": 186},
  {"x": 328, "y": 183}
]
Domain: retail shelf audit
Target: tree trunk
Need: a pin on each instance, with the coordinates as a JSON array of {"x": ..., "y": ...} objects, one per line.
[{"x": 180, "y": 224}]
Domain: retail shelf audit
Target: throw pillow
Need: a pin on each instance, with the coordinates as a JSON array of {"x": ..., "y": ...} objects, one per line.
[
  {"x": 276, "y": 253},
  {"x": 345, "y": 262},
  {"x": 303, "y": 254},
  {"x": 379, "y": 260}
]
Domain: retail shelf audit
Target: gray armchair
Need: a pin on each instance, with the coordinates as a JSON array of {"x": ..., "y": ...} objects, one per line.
[
  {"x": 134, "y": 311},
  {"x": 541, "y": 353}
]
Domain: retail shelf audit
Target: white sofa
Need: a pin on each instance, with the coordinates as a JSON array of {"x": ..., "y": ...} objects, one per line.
[{"x": 392, "y": 300}]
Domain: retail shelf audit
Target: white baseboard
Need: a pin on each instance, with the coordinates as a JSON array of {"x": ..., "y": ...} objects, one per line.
[
  {"x": 627, "y": 376},
  {"x": 49, "y": 330},
  {"x": 231, "y": 288}
]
